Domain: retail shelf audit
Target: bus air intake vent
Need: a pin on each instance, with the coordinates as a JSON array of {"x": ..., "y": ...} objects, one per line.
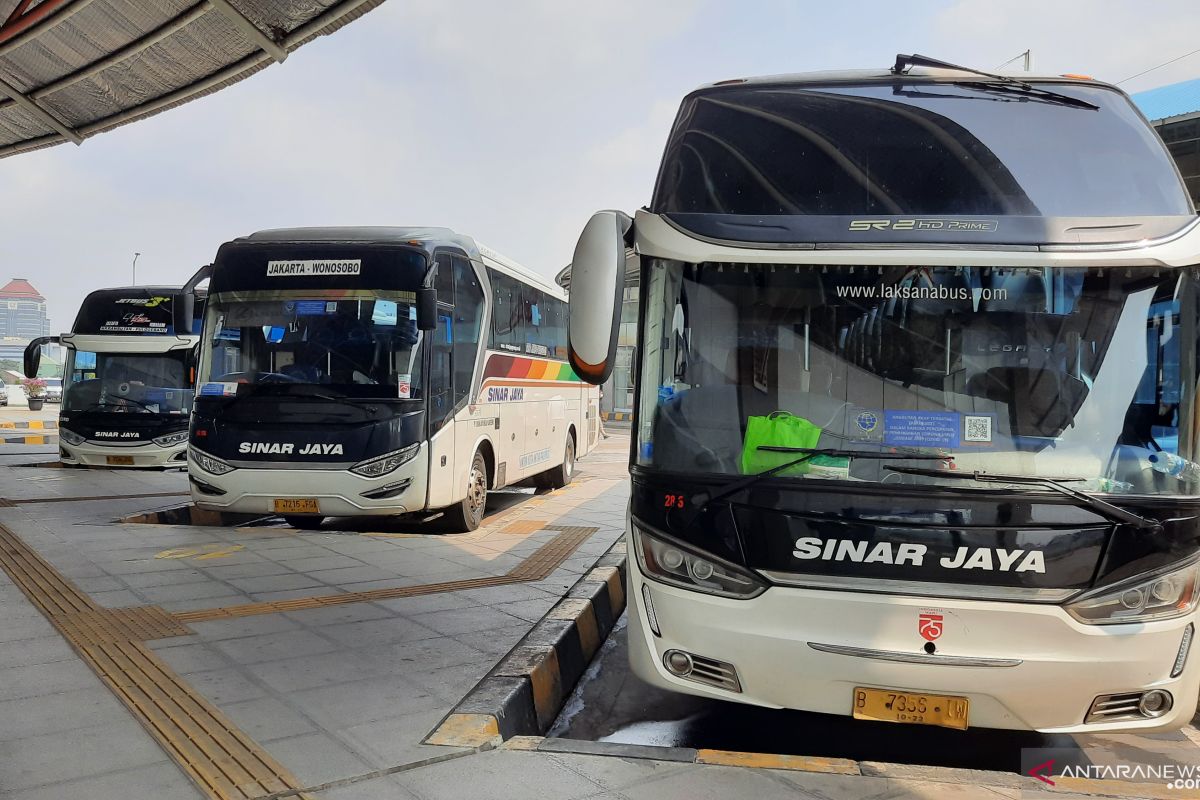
[
  {"x": 1113, "y": 707},
  {"x": 702, "y": 669}
]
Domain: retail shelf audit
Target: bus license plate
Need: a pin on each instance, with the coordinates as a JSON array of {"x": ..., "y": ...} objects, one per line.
[
  {"x": 119, "y": 461},
  {"x": 888, "y": 705},
  {"x": 299, "y": 505}
]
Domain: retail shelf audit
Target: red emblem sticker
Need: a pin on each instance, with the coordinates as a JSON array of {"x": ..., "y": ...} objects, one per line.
[{"x": 929, "y": 625}]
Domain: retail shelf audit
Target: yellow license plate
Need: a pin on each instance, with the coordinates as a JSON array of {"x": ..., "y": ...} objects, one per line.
[
  {"x": 890, "y": 705},
  {"x": 302, "y": 505},
  {"x": 119, "y": 461}
]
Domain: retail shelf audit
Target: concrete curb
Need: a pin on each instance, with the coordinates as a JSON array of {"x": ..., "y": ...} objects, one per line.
[
  {"x": 999, "y": 783},
  {"x": 37, "y": 425},
  {"x": 45, "y": 438},
  {"x": 523, "y": 694}
]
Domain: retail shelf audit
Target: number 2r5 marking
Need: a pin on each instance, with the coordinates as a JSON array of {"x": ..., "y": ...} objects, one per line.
[{"x": 673, "y": 501}]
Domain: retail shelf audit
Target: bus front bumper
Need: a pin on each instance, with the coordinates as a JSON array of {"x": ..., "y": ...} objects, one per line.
[
  {"x": 338, "y": 492},
  {"x": 1061, "y": 666},
  {"x": 149, "y": 455}
]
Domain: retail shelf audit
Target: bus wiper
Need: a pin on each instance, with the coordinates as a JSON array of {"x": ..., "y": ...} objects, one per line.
[
  {"x": 1002, "y": 83},
  {"x": 1106, "y": 510},
  {"x": 1031, "y": 92},
  {"x": 702, "y": 500},
  {"x": 104, "y": 403}
]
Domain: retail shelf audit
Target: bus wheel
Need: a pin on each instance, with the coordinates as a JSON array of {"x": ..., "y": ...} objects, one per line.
[
  {"x": 304, "y": 522},
  {"x": 467, "y": 514},
  {"x": 561, "y": 475}
]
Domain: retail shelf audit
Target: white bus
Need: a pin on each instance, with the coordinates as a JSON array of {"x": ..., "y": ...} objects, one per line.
[
  {"x": 380, "y": 371},
  {"x": 128, "y": 380},
  {"x": 916, "y": 421}
]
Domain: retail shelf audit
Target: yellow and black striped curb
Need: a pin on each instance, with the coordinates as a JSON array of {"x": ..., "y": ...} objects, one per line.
[
  {"x": 46, "y": 438},
  {"x": 35, "y": 425},
  {"x": 1001, "y": 783},
  {"x": 618, "y": 416},
  {"x": 523, "y": 694}
]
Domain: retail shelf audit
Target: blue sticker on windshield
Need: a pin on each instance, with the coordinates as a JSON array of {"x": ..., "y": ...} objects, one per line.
[
  {"x": 921, "y": 428},
  {"x": 867, "y": 421},
  {"x": 312, "y": 308}
]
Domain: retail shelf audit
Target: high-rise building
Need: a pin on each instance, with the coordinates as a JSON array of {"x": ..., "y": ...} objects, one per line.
[{"x": 22, "y": 311}]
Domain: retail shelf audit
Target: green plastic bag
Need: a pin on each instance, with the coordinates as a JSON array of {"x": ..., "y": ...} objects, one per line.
[{"x": 780, "y": 429}]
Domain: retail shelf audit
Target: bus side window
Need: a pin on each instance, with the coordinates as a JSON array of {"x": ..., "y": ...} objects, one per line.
[
  {"x": 468, "y": 313},
  {"x": 444, "y": 282},
  {"x": 440, "y": 395}
]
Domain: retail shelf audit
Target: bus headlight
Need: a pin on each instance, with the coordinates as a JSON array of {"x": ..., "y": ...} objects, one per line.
[
  {"x": 171, "y": 439},
  {"x": 676, "y": 564},
  {"x": 70, "y": 437},
  {"x": 1163, "y": 596},
  {"x": 382, "y": 465},
  {"x": 210, "y": 464}
]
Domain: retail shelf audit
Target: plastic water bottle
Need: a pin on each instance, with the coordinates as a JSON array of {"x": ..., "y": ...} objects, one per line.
[{"x": 1175, "y": 466}]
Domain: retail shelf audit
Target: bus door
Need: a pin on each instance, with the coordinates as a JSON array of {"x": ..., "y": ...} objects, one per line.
[{"x": 444, "y": 489}]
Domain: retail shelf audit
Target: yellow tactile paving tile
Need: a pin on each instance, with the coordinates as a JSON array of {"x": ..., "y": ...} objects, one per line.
[
  {"x": 224, "y": 762},
  {"x": 539, "y": 565}
]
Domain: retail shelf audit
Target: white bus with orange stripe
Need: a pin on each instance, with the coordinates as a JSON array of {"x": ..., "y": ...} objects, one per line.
[{"x": 380, "y": 371}]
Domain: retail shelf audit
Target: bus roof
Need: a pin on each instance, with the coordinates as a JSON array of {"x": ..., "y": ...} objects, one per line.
[
  {"x": 885, "y": 75},
  {"x": 425, "y": 238}
]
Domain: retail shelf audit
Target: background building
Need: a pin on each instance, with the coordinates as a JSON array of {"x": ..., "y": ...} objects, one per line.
[
  {"x": 22, "y": 318},
  {"x": 22, "y": 311},
  {"x": 1174, "y": 111}
]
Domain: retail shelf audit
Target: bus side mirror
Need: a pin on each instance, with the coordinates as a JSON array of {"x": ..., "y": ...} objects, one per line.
[
  {"x": 33, "y": 355},
  {"x": 426, "y": 309},
  {"x": 182, "y": 313},
  {"x": 597, "y": 283}
]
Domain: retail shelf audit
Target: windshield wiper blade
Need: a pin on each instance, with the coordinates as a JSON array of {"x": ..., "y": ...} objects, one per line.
[
  {"x": 1029, "y": 92},
  {"x": 1104, "y": 509},
  {"x": 702, "y": 500},
  {"x": 843, "y": 453},
  {"x": 1004, "y": 83}
]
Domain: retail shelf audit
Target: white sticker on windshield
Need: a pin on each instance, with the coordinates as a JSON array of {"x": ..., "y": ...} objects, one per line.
[
  {"x": 977, "y": 429},
  {"x": 405, "y": 386},
  {"x": 288, "y": 269}
]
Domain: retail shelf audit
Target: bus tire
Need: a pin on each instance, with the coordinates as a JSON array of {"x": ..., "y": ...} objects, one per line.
[
  {"x": 305, "y": 522},
  {"x": 467, "y": 514},
  {"x": 560, "y": 476}
]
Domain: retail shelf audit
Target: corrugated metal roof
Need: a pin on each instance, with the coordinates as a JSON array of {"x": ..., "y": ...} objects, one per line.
[
  {"x": 1173, "y": 100},
  {"x": 70, "y": 69}
]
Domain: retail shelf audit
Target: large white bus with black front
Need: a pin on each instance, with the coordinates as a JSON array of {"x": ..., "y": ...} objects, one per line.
[
  {"x": 127, "y": 381},
  {"x": 380, "y": 371},
  {"x": 916, "y": 426}
]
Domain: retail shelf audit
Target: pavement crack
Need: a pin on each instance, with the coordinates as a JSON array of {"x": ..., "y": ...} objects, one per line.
[{"x": 379, "y": 773}]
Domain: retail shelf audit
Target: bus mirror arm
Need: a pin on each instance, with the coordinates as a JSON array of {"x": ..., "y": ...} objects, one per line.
[
  {"x": 33, "y": 354},
  {"x": 183, "y": 310},
  {"x": 426, "y": 308}
]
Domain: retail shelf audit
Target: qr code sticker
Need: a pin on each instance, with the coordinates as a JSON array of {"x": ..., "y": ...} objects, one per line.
[{"x": 978, "y": 429}]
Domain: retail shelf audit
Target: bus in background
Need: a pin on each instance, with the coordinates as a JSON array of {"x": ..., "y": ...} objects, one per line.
[
  {"x": 916, "y": 425},
  {"x": 127, "y": 381},
  {"x": 380, "y": 371}
]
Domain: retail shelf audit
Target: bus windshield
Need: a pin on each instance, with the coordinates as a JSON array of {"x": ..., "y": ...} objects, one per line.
[
  {"x": 127, "y": 383},
  {"x": 915, "y": 147},
  {"x": 356, "y": 343},
  {"x": 1062, "y": 373}
]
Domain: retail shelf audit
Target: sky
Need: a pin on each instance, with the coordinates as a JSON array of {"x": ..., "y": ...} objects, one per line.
[{"x": 511, "y": 122}]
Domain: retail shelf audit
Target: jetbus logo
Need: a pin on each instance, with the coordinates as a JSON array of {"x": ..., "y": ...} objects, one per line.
[{"x": 929, "y": 625}]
